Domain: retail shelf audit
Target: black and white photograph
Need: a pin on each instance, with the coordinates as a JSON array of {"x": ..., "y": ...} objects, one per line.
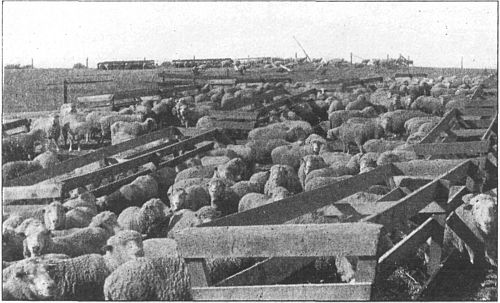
[{"x": 249, "y": 151}]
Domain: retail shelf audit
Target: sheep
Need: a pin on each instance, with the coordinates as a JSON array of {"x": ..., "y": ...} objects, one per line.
[
  {"x": 395, "y": 156},
  {"x": 338, "y": 117},
  {"x": 260, "y": 179},
  {"x": 283, "y": 130},
  {"x": 428, "y": 105},
  {"x": 335, "y": 105},
  {"x": 357, "y": 133},
  {"x": 109, "y": 120},
  {"x": 136, "y": 193},
  {"x": 393, "y": 122},
  {"x": 195, "y": 172},
  {"x": 15, "y": 169},
  {"x": 359, "y": 104},
  {"x": 143, "y": 219},
  {"x": 480, "y": 215},
  {"x": 233, "y": 170},
  {"x": 22, "y": 146},
  {"x": 56, "y": 218},
  {"x": 263, "y": 148},
  {"x": 335, "y": 157},
  {"x": 28, "y": 281},
  {"x": 282, "y": 175},
  {"x": 222, "y": 198},
  {"x": 381, "y": 145},
  {"x": 192, "y": 197},
  {"x": 123, "y": 131},
  {"x": 75, "y": 128},
  {"x": 84, "y": 241},
  {"x": 290, "y": 154},
  {"x": 412, "y": 125},
  {"x": 47, "y": 159},
  {"x": 415, "y": 138},
  {"x": 244, "y": 187},
  {"x": 149, "y": 279},
  {"x": 335, "y": 170},
  {"x": 83, "y": 199},
  {"x": 51, "y": 126},
  {"x": 308, "y": 164},
  {"x": 82, "y": 277},
  {"x": 163, "y": 113}
]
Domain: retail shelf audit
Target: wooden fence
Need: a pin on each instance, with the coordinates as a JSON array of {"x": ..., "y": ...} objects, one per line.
[{"x": 287, "y": 248}]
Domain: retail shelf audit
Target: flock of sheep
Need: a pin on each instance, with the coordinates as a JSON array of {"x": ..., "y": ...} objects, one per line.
[{"x": 121, "y": 246}]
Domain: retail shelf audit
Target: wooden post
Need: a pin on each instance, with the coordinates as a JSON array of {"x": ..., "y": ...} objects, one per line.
[
  {"x": 65, "y": 91},
  {"x": 462, "y": 64},
  {"x": 32, "y": 63},
  {"x": 387, "y": 57},
  {"x": 87, "y": 62},
  {"x": 351, "y": 58}
]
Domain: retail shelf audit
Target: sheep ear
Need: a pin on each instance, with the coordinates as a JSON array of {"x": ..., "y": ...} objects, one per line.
[
  {"x": 107, "y": 248},
  {"x": 144, "y": 236}
]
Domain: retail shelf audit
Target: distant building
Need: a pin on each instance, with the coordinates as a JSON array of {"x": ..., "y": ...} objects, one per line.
[{"x": 133, "y": 64}]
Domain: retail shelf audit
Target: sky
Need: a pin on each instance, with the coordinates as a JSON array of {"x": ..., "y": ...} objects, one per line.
[{"x": 60, "y": 34}]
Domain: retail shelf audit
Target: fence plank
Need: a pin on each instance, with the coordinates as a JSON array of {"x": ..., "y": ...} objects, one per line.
[
  {"x": 111, "y": 170},
  {"x": 492, "y": 128},
  {"x": 469, "y": 133},
  {"x": 111, "y": 187},
  {"x": 221, "y": 81},
  {"x": 233, "y": 115},
  {"x": 34, "y": 192},
  {"x": 432, "y": 168},
  {"x": 410, "y": 205},
  {"x": 481, "y": 112},
  {"x": 305, "y": 202},
  {"x": 465, "y": 233},
  {"x": 294, "y": 240},
  {"x": 408, "y": 245},
  {"x": 443, "y": 125},
  {"x": 69, "y": 165},
  {"x": 15, "y": 124},
  {"x": 470, "y": 148},
  {"x": 476, "y": 122},
  {"x": 294, "y": 292}
]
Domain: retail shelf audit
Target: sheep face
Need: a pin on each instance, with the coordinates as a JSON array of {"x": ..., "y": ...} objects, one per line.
[
  {"x": 316, "y": 147},
  {"x": 35, "y": 243},
  {"x": 485, "y": 214},
  {"x": 178, "y": 199},
  {"x": 54, "y": 216},
  {"x": 124, "y": 246},
  {"x": 216, "y": 190},
  {"x": 312, "y": 163},
  {"x": 34, "y": 276}
]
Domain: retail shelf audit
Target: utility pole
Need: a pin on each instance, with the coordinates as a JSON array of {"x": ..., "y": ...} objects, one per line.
[
  {"x": 87, "y": 62},
  {"x": 462, "y": 64},
  {"x": 351, "y": 58},
  {"x": 32, "y": 63}
]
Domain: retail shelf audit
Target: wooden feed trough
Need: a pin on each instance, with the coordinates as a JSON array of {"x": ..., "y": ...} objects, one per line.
[{"x": 287, "y": 248}]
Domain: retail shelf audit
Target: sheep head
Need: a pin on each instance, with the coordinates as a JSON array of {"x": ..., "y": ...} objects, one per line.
[
  {"x": 35, "y": 243},
  {"x": 32, "y": 275},
  {"x": 126, "y": 245},
  {"x": 178, "y": 199},
  {"x": 216, "y": 190},
  {"x": 54, "y": 216},
  {"x": 484, "y": 210}
]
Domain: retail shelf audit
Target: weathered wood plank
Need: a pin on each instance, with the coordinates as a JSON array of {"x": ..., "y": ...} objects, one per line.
[
  {"x": 111, "y": 187},
  {"x": 412, "y": 204},
  {"x": 470, "y": 148},
  {"x": 411, "y": 182},
  {"x": 81, "y": 180},
  {"x": 233, "y": 115},
  {"x": 455, "y": 197},
  {"x": 221, "y": 82},
  {"x": 433, "y": 168},
  {"x": 465, "y": 232},
  {"x": 469, "y": 133},
  {"x": 294, "y": 240},
  {"x": 492, "y": 128},
  {"x": 198, "y": 272},
  {"x": 96, "y": 101},
  {"x": 293, "y": 99},
  {"x": 408, "y": 245},
  {"x": 34, "y": 192},
  {"x": 407, "y": 75},
  {"x": 69, "y": 165},
  {"x": 294, "y": 292},
  {"x": 480, "y": 112},
  {"x": 267, "y": 272},
  {"x": 393, "y": 195},
  {"x": 15, "y": 124},
  {"x": 476, "y": 122},
  {"x": 305, "y": 202},
  {"x": 136, "y": 93},
  {"x": 493, "y": 159},
  {"x": 444, "y": 124}
]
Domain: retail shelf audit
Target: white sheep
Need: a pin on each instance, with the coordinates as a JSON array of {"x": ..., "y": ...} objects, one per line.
[
  {"x": 285, "y": 176},
  {"x": 84, "y": 241},
  {"x": 290, "y": 154},
  {"x": 260, "y": 179},
  {"x": 263, "y": 148},
  {"x": 145, "y": 219},
  {"x": 244, "y": 187},
  {"x": 308, "y": 164},
  {"x": 51, "y": 126},
  {"x": 154, "y": 279},
  {"x": 191, "y": 197},
  {"x": 428, "y": 105},
  {"x": 109, "y": 120},
  {"x": 75, "y": 128},
  {"x": 381, "y": 145},
  {"x": 393, "y": 122},
  {"x": 413, "y": 124},
  {"x": 222, "y": 198},
  {"x": 123, "y": 131},
  {"x": 284, "y": 130},
  {"x": 28, "y": 281},
  {"x": 195, "y": 172},
  {"x": 357, "y": 133},
  {"x": 233, "y": 170},
  {"x": 47, "y": 159},
  {"x": 56, "y": 217},
  {"x": 395, "y": 156}
]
